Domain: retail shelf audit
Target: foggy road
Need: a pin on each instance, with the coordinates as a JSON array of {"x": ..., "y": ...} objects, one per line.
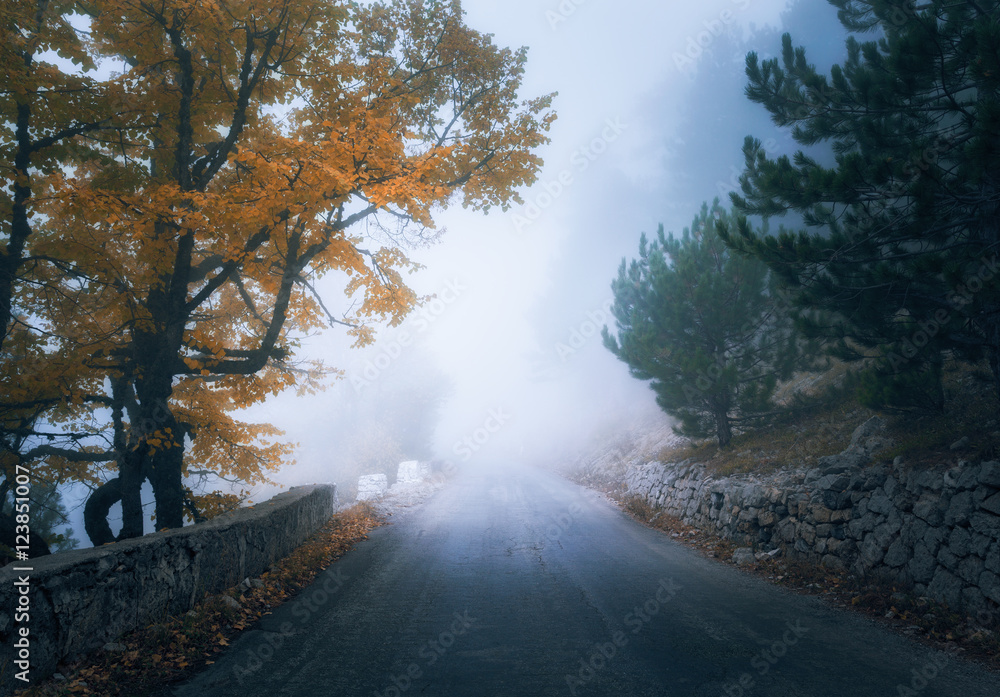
[{"x": 517, "y": 583}]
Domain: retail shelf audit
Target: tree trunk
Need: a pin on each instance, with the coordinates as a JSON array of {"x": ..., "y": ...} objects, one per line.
[
  {"x": 165, "y": 474},
  {"x": 130, "y": 478},
  {"x": 723, "y": 427},
  {"x": 160, "y": 462},
  {"x": 155, "y": 348},
  {"x": 130, "y": 460},
  {"x": 95, "y": 512}
]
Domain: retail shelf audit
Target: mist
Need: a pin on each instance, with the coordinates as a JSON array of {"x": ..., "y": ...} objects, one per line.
[
  {"x": 652, "y": 117},
  {"x": 504, "y": 362}
]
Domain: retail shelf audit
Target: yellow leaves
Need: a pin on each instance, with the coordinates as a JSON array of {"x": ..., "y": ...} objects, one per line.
[
  {"x": 138, "y": 218},
  {"x": 160, "y": 439}
]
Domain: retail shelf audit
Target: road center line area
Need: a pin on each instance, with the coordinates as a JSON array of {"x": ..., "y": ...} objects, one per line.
[{"x": 514, "y": 582}]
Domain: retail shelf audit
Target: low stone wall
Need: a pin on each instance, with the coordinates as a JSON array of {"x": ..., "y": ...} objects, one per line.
[
  {"x": 936, "y": 531},
  {"x": 78, "y": 601}
]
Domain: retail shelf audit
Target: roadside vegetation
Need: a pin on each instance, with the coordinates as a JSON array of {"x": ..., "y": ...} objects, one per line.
[{"x": 829, "y": 412}]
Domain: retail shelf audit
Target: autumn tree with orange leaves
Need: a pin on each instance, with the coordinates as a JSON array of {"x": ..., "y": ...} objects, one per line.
[{"x": 163, "y": 251}]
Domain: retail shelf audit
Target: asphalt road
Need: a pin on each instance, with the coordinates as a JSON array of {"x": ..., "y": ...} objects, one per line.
[{"x": 516, "y": 583}]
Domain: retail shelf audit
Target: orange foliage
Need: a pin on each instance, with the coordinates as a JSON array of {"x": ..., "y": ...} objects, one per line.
[{"x": 174, "y": 235}]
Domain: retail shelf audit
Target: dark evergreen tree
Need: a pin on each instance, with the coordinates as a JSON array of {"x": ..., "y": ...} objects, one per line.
[
  {"x": 703, "y": 324},
  {"x": 900, "y": 261}
]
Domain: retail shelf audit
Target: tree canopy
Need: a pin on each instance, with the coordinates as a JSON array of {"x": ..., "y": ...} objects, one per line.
[
  {"x": 900, "y": 263},
  {"x": 704, "y": 325},
  {"x": 165, "y": 227}
]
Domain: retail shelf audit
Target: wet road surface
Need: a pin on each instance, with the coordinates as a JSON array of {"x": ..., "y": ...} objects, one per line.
[{"x": 514, "y": 582}]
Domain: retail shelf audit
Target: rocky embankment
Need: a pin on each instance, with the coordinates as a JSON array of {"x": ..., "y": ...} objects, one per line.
[{"x": 934, "y": 530}]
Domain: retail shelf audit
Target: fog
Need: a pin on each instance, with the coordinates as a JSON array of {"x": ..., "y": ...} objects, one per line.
[
  {"x": 652, "y": 117},
  {"x": 505, "y": 362}
]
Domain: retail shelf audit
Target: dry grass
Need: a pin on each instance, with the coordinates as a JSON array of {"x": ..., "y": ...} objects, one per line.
[
  {"x": 797, "y": 439},
  {"x": 177, "y": 647},
  {"x": 926, "y": 439},
  {"x": 824, "y": 427}
]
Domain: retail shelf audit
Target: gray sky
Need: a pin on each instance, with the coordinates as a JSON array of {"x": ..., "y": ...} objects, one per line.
[{"x": 651, "y": 121}]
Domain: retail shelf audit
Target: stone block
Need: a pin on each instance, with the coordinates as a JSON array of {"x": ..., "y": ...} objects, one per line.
[
  {"x": 857, "y": 527},
  {"x": 372, "y": 486},
  {"x": 871, "y": 551},
  {"x": 832, "y": 482},
  {"x": 989, "y": 474},
  {"x": 897, "y": 554},
  {"x": 922, "y": 565},
  {"x": 969, "y": 569},
  {"x": 930, "y": 479},
  {"x": 946, "y": 587},
  {"x": 766, "y": 518},
  {"x": 979, "y": 544},
  {"x": 754, "y": 496},
  {"x": 846, "y": 460},
  {"x": 786, "y": 530},
  {"x": 959, "y": 542},
  {"x": 913, "y": 529},
  {"x": 947, "y": 558},
  {"x": 968, "y": 478},
  {"x": 986, "y": 524},
  {"x": 874, "y": 477},
  {"x": 993, "y": 558},
  {"x": 928, "y": 509},
  {"x": 989, "y": 585},
  {"x": 992, "y": 504},
  {"x": 879, "y": 502},
  {"x": 959, "y": 509},
  {"x": 871, "y": 428},
  {"x": 807, "y": 532},
  {"x": 412, "y": 471},
  {"x": 891, "y": 486},
  {"x": 934, "y": 537}
]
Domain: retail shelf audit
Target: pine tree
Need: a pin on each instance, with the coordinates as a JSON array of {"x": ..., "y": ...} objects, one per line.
[
  {"x": 899, "y": 262},
  {"x": 703, "y": 324}
]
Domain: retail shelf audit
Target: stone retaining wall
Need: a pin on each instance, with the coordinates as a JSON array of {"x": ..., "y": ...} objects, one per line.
[
  {"x": 936, "y": 531},
  {"x": 78, "y": 601}
]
